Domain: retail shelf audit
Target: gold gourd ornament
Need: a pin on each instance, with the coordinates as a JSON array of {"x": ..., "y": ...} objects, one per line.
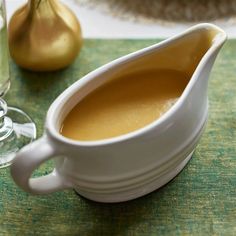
[{"x": 44, "y": 35}]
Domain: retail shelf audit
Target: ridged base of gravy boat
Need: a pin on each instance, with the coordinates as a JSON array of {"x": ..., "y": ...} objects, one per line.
[{"x": 132, "y": 165}]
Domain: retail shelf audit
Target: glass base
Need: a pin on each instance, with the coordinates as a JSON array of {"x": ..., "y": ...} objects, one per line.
[{"x": 18, "y": 130}]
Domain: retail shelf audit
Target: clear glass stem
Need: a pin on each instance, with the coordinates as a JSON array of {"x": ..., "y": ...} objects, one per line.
[{"x": 6, "y": 126}]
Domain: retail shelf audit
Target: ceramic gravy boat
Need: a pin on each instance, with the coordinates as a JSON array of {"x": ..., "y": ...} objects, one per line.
[{"x": 134, "y": 164}]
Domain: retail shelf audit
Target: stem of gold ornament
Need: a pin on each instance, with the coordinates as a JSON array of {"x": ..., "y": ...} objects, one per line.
[{"x": 34, "y": 3}]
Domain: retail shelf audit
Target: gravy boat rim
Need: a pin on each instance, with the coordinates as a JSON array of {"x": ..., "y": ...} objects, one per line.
[{"x": 60, "y": 101}]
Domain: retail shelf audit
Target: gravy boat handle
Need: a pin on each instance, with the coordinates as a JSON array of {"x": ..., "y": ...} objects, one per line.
[{"x": 28, "y": 160}]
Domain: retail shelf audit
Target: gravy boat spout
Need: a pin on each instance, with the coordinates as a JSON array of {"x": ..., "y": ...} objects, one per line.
[{"x": 134, "y": 164}]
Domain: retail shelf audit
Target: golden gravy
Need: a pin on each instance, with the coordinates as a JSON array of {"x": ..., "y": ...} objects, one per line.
[{"x": 124, "y": 104}]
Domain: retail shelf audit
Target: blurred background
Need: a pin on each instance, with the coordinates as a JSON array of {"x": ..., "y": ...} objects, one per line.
[{"x": 146, "y": 18}]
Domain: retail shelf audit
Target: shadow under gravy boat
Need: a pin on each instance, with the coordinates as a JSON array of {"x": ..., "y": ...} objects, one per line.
[{"x": 134, "y": 164}]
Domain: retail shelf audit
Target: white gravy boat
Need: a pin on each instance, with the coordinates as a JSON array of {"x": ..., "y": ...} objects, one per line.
[{"x": 134, "y": 164}]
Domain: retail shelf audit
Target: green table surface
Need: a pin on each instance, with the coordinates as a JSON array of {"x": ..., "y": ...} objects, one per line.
[{"x": 201, "y": 200}]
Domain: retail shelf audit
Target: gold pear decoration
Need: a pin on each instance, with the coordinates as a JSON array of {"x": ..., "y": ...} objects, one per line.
[{"x": 44, "y": 35}]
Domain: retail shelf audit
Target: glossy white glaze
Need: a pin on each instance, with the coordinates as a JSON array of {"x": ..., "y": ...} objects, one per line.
[{"x": 131, "y": 165}]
